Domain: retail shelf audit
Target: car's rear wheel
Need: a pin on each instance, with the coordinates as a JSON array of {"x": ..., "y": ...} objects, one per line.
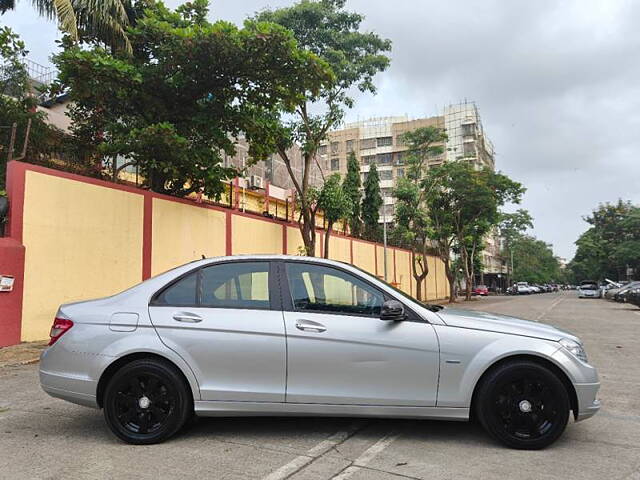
[
  {"x": 523, "y": 405},
  {"x": 147, "y": 401}
]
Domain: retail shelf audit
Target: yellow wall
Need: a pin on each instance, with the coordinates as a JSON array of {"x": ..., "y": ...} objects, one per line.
[
  {"x": 182, "y": 233},
  {"x": 85, "y": 241},
  {"x": 255, "y": 236},
  {"x": 82, "y": 241},
  {"x": 363, "y": 256},
  {"x": 339, "y": 248}
]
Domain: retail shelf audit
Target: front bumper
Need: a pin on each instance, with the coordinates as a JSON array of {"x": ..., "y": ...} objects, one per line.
[{"x": 588, "y": 404}]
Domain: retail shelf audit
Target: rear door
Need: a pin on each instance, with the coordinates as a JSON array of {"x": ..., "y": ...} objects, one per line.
[
  {"x": 340, "y": 352},
  {"x": 225, "y": 320}
]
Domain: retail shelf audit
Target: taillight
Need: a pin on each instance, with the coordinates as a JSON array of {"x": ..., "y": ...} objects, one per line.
[{"x": 60, "y": 326}]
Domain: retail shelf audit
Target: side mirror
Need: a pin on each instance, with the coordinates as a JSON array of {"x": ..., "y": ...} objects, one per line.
[{"x": 392, "y": 311}]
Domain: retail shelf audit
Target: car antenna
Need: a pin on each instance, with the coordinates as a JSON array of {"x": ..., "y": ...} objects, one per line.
[{"x": 203, "y": 257}]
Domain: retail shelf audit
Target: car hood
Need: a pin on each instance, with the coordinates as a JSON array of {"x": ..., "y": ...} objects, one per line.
[{"x": 502, "y": 324}]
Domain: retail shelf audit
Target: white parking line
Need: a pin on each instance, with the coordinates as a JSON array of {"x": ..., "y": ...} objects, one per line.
[
  {"x": 549, "y": 308},
  {"x": 368, "y": 455},
  {"x": 320, "y": 449}
]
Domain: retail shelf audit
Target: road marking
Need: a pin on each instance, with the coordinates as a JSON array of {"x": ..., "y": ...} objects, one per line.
[
  {"x": 549, "y": 308},
  {"x": 314, "y": 453},
  {"x": 366, "y": 457}
]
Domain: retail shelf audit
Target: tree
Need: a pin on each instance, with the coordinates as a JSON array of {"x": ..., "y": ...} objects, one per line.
[
  {"x": 333, "y": 34},
  {"x": 104, "y": 20},
  {"x": 511, "y": 226},
  {"x": 351, "y": 186},
  {"x": 411, "y": 218},
  {"x": 534, "y": 261},
  {"x": 371, "y": 204},
  {"x": 17, "y": 106},
  {"x": 187, "y": 91},
  {"x": 335, "y": 204},
  {"x": 611, "y": 245},
  {"x": 463, "y": 205}
]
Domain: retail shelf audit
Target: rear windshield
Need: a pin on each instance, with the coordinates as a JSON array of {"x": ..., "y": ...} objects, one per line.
[{"x": 589, "y": 286}]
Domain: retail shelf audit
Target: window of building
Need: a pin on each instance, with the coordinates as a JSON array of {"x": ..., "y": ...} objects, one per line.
[
  {"x": 469, "y": 149},
  {"x": 335, "y": 164},
  {"x": 400, "y": 172},
  {"x": 368, "y": 143},
  {"x": 322, "y": 149},
  {"x": 368, "y": 159},
  {"x": 316, "y": 288},
  {"x": 384, "y": 141},
  {"x": 385, "y": 174},
  {"x": 349, "y": 145},
  {"x": 399, "y": 158},
  {"x": 334, "y": 147},
  {"x": 468, "y": 129},
  {"x": 384, "y": 158},
  {"x": 236, "y": 285}
]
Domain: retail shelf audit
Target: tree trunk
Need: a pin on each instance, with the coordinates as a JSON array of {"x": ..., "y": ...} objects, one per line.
[
  {"x": 326, "y": 239},
  {"x": 450, "y": 277},
  {"x": 419, "y": 277}
]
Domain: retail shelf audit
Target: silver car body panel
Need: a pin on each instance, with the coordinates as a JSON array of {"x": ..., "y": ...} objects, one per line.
[{"x": 238, "y": 364}]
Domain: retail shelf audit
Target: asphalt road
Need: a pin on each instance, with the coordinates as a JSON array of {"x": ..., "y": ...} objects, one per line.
[{"x": 41, "y": 437}]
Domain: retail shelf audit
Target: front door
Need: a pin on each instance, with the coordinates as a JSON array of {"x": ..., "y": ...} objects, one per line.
[
  {"x": 340, "y": 352},
  {"x": 226, "y": 322}
]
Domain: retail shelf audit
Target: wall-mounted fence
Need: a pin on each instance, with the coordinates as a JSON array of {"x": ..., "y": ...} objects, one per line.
[{"x": 71, "y": 238}]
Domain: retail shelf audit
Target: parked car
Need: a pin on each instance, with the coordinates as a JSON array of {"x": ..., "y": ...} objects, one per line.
[
  {"x": 589, "y": 289},
  {"x": 633, "y": 296},
  {"x": 481, "y": 290},
  {"x": 287, "y": 335},
  {"x": 621, "y": 294},
  {"x": 523, "y": 288}
]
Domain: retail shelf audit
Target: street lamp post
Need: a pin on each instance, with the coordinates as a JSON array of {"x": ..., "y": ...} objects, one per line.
[{"x": 384, "y": 232}]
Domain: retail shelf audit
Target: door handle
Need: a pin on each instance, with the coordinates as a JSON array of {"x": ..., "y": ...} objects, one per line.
[
  {"x": 310, "y": 326},
  {"x": 187, "y": 317}
]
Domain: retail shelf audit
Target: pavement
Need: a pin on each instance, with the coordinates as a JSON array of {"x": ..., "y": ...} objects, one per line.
[{"x": 46, "y": 438}]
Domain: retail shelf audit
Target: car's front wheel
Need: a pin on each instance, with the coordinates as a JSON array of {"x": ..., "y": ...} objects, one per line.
[
  {"x": 147, "y": 401},
  {"x": 523, "y": 405}
]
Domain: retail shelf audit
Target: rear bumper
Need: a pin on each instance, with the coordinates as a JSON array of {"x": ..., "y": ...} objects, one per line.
[
  {"x": 588, "y": 404},
  {"x": 72, "y": 389}
]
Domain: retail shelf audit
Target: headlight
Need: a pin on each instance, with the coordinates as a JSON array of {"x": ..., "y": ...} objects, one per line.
[{"x": 575, "y": 348}]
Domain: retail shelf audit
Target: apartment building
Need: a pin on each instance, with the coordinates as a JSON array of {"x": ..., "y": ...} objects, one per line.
[{"x": 379, "y": 141}]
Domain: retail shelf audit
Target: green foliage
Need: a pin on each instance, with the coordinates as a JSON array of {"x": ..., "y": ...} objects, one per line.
[
  {"x": 610, "y": 245},
  {"x": 17, "y": 106},
  {"x": 534, "y": 261},
  {"x": 353, "y": 57},
  {"x": 333, "y": 200},
  {"x": 371, "y": 204},
  {"x": 351, "y": 186},
  {"x": 463, "y": 205},
  {"x": 335, "y": 204},
  {"x": 103, "y": 21},
  {"x": 188, "y": 89}
]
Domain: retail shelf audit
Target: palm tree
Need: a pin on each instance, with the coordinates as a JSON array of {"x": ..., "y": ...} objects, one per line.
[{"x": 103, "y": 20}]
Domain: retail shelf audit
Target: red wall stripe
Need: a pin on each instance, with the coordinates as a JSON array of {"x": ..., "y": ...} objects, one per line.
[
  {"x": 147, "y": 236},
  {"x": 227, "y": 233}
]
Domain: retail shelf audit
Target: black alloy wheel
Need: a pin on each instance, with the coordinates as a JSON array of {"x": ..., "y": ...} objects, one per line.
[
  {"x": 523, "y": 404},
  {"x": 147, "y": 401}
]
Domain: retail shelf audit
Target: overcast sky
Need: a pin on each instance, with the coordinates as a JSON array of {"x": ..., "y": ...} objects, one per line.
[{"x": 557, "y": 85}]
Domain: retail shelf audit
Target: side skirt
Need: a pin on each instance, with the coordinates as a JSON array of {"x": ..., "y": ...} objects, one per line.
[{"x": 242, "y": 409}]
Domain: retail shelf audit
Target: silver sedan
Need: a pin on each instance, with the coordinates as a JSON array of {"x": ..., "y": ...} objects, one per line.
[{"x": 281, "y": 335}]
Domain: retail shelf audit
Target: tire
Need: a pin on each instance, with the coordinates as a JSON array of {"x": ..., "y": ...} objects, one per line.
[
  {"x": 523, "y": 405},
  {"x": 147, "y": 401}
]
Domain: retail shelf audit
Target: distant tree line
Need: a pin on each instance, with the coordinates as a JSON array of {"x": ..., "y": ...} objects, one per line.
[{"x": 610, "y": 248}]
